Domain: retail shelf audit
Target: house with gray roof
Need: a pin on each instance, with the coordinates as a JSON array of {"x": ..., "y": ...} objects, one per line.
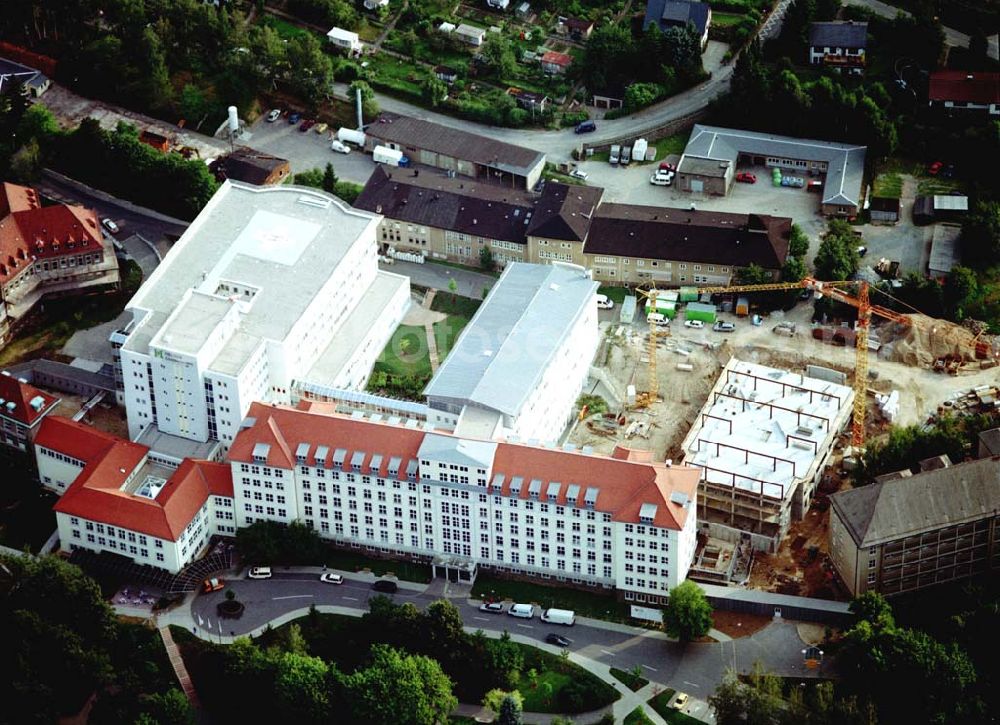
[
  {"x": 712, "y": 155},
  {"x": 840, "y": 45},
  {"x": 459, "y": 152},
  {"x": 16, "y": 75},
  {"x": 667, "y": 14},
  {"x": 518, "y": 367},
  {"x": 909, "y": 533}
]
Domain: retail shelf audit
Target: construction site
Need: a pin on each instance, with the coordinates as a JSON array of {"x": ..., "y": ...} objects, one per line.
[{"x": 763, "y": 512}]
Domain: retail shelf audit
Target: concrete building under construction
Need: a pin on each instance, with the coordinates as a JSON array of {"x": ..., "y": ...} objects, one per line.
[{"x": 762, "y": 441}]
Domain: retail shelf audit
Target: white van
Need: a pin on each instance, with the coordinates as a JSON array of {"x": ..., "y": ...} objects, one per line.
[
  {"x": 655, "y": 318},
  {"x": 603, "y": 302},
  {"x": 559, "y": 616},
  {"x": 523, "y": 611}
]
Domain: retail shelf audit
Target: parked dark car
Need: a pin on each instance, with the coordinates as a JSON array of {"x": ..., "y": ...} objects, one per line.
[
  {"x": 294, "y": 118},
  {"x": 557, "y": 640},
  {"x": 385, "y": 585},
  {"x": 585, "y": 127}
]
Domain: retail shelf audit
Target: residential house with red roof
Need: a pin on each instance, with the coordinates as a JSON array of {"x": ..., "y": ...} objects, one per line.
[
  {"x": 624, "y": 522},
  {"x": 555, "y": 63},
  {"x": 118, "y": 497},
  {"x": 965, "y": 91},
  {"x": 22, "y": 408},
  {"x": 47, "y": 250}
]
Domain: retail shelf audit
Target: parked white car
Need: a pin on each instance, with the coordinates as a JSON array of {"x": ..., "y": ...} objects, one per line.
[
  {"x": 331, "y": 578},
  {"x": 340, "y": 147},
  {"x": 110, "y": 226},
  {"x": 603, "y": 303},
  {"x": 661, "y": 178},
  {"x": 696, "y": 324},
  {"x": 578, "y": 174},
  {"x": 491, "y": 607},
  {"x": 523, "y": 611},
  {"x": 260, "y": 572},
  {"x": 274, "y": 115}
]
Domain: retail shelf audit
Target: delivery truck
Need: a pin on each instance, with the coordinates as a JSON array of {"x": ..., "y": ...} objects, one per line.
[{"x": 559, "y": 616}]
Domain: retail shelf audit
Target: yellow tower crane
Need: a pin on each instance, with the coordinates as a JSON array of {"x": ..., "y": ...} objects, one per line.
[{"x": 827, "y": 289}]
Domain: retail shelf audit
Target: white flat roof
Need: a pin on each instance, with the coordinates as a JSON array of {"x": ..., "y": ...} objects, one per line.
[
  {"x": 268, "y": 249},
  {"x": 763, "y": 429},
  {"x": 513, "y": 337}
]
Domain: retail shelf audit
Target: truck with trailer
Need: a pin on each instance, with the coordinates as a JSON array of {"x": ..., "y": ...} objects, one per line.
[{"x": 391, "y": 157}]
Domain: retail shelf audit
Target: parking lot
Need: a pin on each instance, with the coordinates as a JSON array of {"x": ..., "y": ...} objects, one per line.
[
  {"x": 308, "y": 150},
  {"x": 631, "y": 185}
]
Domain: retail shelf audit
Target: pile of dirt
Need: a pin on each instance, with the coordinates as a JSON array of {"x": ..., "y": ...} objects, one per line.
[{"x": 926, "y": 340}]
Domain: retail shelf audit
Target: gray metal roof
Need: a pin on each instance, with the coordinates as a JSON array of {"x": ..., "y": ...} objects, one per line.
[
  {"x": 923, "y": 502},
  {"x": 838, "y": 34},
  {"x": 448, "y": 449},
  {"x": 845, "y": 162},
  {"x": 506, "y": 347}
]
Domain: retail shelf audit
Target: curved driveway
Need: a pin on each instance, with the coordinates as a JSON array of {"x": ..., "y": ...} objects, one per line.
[{"x": 695, "y": 668}]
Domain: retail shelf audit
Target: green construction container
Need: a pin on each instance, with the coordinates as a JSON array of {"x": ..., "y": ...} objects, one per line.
[
  {"x": 666, "y": 308},
  {"x": 700, "y": 311},
  {"x": 689, "y": 294}
]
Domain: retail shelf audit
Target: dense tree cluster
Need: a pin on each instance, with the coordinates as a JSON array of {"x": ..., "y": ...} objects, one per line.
[
  {"x": 176, "y": 58},
  {"x": 61, "y": 643},
  {"x": 837, "y": 257},
  {"x": 658, "y": 63},
  {"x": 906, "y": 446},
  {"x": 771, "y": 98}
]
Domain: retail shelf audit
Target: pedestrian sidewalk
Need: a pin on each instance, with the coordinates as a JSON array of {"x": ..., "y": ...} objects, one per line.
[
  {"x": 361, "y": 576},
  {"x": 177, "y": 662}
]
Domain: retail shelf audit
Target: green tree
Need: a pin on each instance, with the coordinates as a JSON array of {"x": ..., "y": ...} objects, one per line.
[
  {"x": 495, "y": 697},
  {"x": 960, "y": 291},
  {"x": 837, "y": 257},
  {"x": 798, "y": 242},
  {"x": 301, "y": 686},
  {"x": 688, "y": 615},
  {"x": 435, "y": 90},
  {"x": 607, "y": 56},
  {"x": 329, "y": 179},
  {"x": 754, "y": 274},
  {"x": 981, "y": 235},
  {"x": 168, "y": 708},
  {"x": 504, "y": 660},
  {"x": 57, "y": 631},
  {"x": 310, "y": 69},
  {"x": 510, "y": 711},
  {"x": 640, "y": 95},
  {"x": 793, "y": 270},
  {"x": 497, "y": 53},
  {"x": 453, "y": 288},
  {"x": 486, "y": 258},
  {"x": 400, "y": 688}
]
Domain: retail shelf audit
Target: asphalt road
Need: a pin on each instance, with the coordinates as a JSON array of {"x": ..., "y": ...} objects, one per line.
[
  {"x": 437, "y": 276},
  {"x": 131, "y": 219},
  {"x": 694, "y": 668},
  {"x": 952, "y": 37}
]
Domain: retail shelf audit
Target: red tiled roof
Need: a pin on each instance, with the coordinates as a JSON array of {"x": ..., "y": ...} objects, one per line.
[
  {"x": 626, "y": 481},
  {"x": 964, "y": 87},
  {"x": 21, "y": 394},
  {"x": 557, "y": 58},
  {"x": 29, "y": 230},
  {"x": 96, "y": 493}
]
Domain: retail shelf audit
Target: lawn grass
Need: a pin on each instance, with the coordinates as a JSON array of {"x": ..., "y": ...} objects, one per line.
[
  {"x": 618, "y": 294},
  {"x": 661, "y": 703},
  {"x": 584, "y": 603},
  {"x": 348, "y": 560},
  {"x": 455, "y": 304},
  {"x": 638, "y": 717},
  {"x": 285, "y": 29},
  {"x": 726, "y": 19},
  {"x": 629, "y": 680},
  {"x": 888, "y": 186},
  {"x": 446, "y": 333},
  {"x": 930, "y": 185},
  {"x": 671, "y": 145},
  {"x": 406, "y": 353},
  {"x": 559, "y": 672}
]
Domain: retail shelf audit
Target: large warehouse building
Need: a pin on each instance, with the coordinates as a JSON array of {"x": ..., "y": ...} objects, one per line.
[
  {"x": 465, "y": 154},
  {"x": 713, "y": 155},
  {"x": 269, "y": 288}
]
